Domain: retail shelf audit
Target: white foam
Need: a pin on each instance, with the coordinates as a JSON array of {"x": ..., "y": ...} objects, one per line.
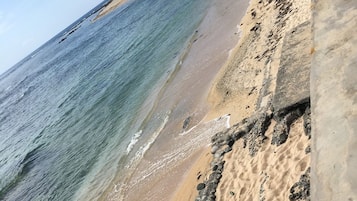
[
  {"x": 133, "y": 141},
  {"x": 198, "y": 136},
  {"x": 228, "y": 116},
  {"x": 222, "y": 118},
  {"x": 200, "y": 133},
  {"x": 143, "y": 149}
]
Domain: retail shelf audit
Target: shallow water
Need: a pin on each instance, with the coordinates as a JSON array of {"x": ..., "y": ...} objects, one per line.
[{"x": 77, "y": 110}]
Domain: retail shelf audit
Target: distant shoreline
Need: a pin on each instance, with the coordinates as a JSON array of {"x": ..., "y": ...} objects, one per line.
[{"x": 112, "y": 5}]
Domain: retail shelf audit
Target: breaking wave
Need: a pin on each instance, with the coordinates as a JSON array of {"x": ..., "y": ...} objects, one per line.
[
  {"x": 133, "y": 141},
  {"x": 142, "y": 150}
]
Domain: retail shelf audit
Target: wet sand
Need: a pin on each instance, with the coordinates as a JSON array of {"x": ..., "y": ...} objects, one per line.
[
  {"x": 186, "y": 97},
  {"x": 171, "y": 157}
]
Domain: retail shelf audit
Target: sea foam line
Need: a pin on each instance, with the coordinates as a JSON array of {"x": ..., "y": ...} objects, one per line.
[
  {"x": 133, "y": 141},
  {"x": 143, "y": 149},
  {"x": 224, "y": 117},
  {"x": 201, "y": 132}
]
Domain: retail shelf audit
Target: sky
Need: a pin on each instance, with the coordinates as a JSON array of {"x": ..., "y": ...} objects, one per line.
[{"x": 26, "y": 25}]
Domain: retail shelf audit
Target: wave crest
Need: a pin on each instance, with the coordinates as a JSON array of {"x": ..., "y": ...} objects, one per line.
[{"x": 133, "y": 141}]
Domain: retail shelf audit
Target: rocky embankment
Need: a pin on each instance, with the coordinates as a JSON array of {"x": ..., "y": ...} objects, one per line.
[
  {"x": 266, "y": 155},
  {"x": 252, "y": 132}
]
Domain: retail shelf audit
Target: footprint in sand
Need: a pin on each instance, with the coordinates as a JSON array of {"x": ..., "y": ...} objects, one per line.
[
  {"x": 300, "y": 146},
  {"x": 242, "y": 191},
  {"x": 301, "y": 166},
  {"x": 255, "y": 169}
]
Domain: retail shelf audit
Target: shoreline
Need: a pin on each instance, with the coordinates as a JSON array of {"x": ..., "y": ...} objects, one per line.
[
  {"x": 190, "y": 84},
  {"x": 247, "y": 85},
  {"x": 251, "y": 87},
  {"x": 109, "y": 7},
  {"x": 185, "y": 97}
]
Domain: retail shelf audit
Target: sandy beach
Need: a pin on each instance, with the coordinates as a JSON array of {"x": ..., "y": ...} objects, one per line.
[
  {"x": 182, "y": 100},
  {"x": 187, "y": 96},
  {"x": 245, "y": 85},
  {"x": 241, "y": 66},
  {"x": 171, "y": 156},
  {"x": 112, "y": 5}
]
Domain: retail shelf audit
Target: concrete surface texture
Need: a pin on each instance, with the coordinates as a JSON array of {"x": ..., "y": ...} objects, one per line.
[
  {"x": 292, "y": 87},
  {"x": 334, "y": 101}
]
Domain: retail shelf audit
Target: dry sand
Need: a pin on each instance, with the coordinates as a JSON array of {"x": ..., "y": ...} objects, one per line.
[
  {"x": 198, "y": 173},
  {"x": 269, "y": 174},
  {"x": 255, "y": 59}
]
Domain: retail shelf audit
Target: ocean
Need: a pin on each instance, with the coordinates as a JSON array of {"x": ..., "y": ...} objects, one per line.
[{"x": 79, "y": 110}]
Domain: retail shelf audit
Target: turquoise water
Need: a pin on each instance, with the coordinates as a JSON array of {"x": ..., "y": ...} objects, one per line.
[{"x": 72, "y": 112}]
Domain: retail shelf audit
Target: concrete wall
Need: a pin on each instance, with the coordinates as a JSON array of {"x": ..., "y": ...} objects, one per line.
[{"x": 334, "y": 101}]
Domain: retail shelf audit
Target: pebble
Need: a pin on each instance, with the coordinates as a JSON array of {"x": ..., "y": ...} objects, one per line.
[{"x": 201, "y": 186}]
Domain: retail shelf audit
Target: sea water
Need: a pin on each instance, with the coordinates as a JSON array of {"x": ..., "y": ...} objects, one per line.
[{"x": 73, "y": 112}]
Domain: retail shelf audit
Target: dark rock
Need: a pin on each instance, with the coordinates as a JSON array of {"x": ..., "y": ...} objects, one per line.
[
  {"x": 201, "y": 186},
  {"x": 229, "y": 141},
  {"x": 220, "y": 165},
  {"x": 214, "y": 149},
  {"x": 237, "y": 135},
  {"x": 219, "y": 154},
  {"x": 308, "y": 149},
  {"x": 256, "y": 137},
  {"x": 254, "y": 14},
  {"x": 256, "y": 28},
  {"x": 215, "y": 167},
  {"x": 215, "y": 182},
  {"x": 295, "y": 114},
  {"x": 199, "y": 175},
  {"x": 212, "y": 197},
  {"x": 215, "y": 176},
  {"x": 307, "y": 122},
  {"x": 280, "y": 134},
  {"x": 63, "y": 39},
  {"x": 216, "y": 137},
  {"x": 282, "y": 128},
  {"x": 186, "y": 123},
  {"x": 301, "y": 190},
  {"x": 212, "y": 189},
  {"x": 218, "y": 176},
  {"x": 227, "y": 149}
]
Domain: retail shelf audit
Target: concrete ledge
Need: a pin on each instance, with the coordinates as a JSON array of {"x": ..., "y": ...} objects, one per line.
[{"x": 292, "y": 87}]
